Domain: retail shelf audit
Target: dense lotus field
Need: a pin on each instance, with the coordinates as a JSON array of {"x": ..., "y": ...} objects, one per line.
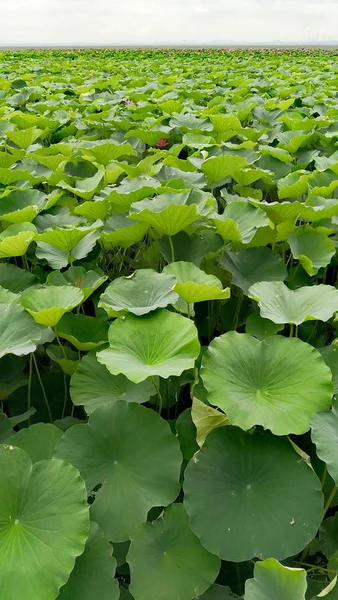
[{"x": 168, "y": 328}]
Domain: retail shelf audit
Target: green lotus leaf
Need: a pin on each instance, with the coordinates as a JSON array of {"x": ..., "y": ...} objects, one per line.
[
  {"x": 11, "y": 375},
  {"x": 261, "y": 328},
  {"x": 161, "y": 343},
  {"x": 7, "y": 297},
  {"x": 293, "y": 185},
  {"x": 24, "y": 138},
  {"x": 93, "y": 386},
  {"x": 279, "y": 383},
  {"x": 171, "y": 212},
  {"x": 37, "y": 440},
  {"x": 247, "y": 176},
  {"x": 187, "y": 121},
  {"x": 94, "y": 571},
  {"x": 6, "y": 430},
  {"x": 105, "y": 151},
  {"x": 224, "y": 123},
  {"x": 121, "y": 231},
  {"x": 18, "y": 206},
  {"x": 80, "y": 169},
  {"x": 139, "y": 294},
  {"x": 44, "y": 524},
  {"x": 84, "y": 188},
  {"x": 312, "y": 248},
  {"x": 328, "y": 536},
  {"x": 47, "y": 305},
  {"x": 240, "y": 222},
  {"x": 280, "y": 212},
  {"x": 198, "y": 140},
  {"x": 129, "y": 191},
  {"x": 317, "y": 208},
  {"x": 186, "y": 433},
  {"x": 131, "y": 451},
  {"x": 15, "y": 279},
  {"x": 217, "y": 168},
  {"x": 15, "y": 240},
  {"x": 19, "y": 334},
  {"x": 277, "y": 153},
  {"x": 324, "y": 433},
  {"x": 168, "y": 554},
  {"x": 282, "y": 305},
  {"x": 85, "y": 333},
  {"x": 253, "y": 265},
  {"x": 273, "y": 580},
  {"x": 65, "y": 357},
  {"x": 66, "y": 238},
  {"x": 293, "y": 140},
  {"x": 87, "y": 281},
  {"x": 93, "y": 209},
  {"x": 235, "y": 475},
  {"x": 330, "y": 356},
  {"x": 148, "y": 137},
  {"x": 194, "y": 285},
  {"x": 217, "y": 592},
  {"x": 206, "y": 418}
]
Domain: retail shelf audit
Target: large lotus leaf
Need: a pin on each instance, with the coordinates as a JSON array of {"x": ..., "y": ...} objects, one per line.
[
  {"x": 253, "y": 485},
  {"x": 131, "y": 451},
  {"x": 330, "y": 355},
  {"x": 87, "y": 281},
  {"x": 48, "y": 305},
  {"x": 186, "y": 433},
  {"x": 206, "y": 418},
  {"x": 198, "y": 140},
  {"x": 253, "y": 265},
  {"x": 66, "y": 238},
  {"x": 19, "y": 334},
  {"x": 93, "y": 574},
  {"x": 328, "y": 536},
  {"x": 15, "y": 279},
  {"x": 240, "y": 222},
  {"x": 93, "y": 209},
  {"x": 12, "y": 376},
  {"x": 7, "y": 297},
  {"x": 273, "y": 580},
  {"x": 161, "y": 343},
  {"x": 43, "y": 524},
  {"x": 85, "y": 333},
  {"x": 261, "y": 328},
  {"x": 282, "y": 305},
  {"x": 293, "y": 185},
  {"x": 105, "y": 151},
  {"x": 324, "y": 433},
  {"x": 171, "y": 212},
  {"x": 84, "y": 188},
  {"x": 217, "y": 168},
  {"x": 18, "y": 206},
  {"x": 217, "y": 592},
  {"x": 139, "y": 294},
  {"x": 280, "y": 212},
  {"x": 80, "y": 169},
  {"x": 65, "y": 357},
  {"x": 279, "y": 383},
  {"x": 167, "y": 554},
  {"x": 15, "y": 240},
  {"x": 37, "y": 440},
  {"x": 93, "y": 386},
  {"x": 121, "y": 197},
  {"x": 312, "y": 248},
  {"x": 121, "y": 231},
  {"x": 194, "y": 285},
  {"x": 24, "y": 138}
]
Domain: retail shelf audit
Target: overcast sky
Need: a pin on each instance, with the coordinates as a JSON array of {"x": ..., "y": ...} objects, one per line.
[{"x": 109, "y": 22}]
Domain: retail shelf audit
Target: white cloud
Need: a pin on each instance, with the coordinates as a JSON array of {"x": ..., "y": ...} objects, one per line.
[{"x": 109, "y": 22}]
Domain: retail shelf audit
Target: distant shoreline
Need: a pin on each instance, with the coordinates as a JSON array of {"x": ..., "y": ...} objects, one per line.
[{"x": 306, "y": 46}]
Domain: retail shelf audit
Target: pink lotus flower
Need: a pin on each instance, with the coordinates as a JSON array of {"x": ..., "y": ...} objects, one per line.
[
  {"x": 162, "y": 143},
  {"x": 129, "y": 103}
]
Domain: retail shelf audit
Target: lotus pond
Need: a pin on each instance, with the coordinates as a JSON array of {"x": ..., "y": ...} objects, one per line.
[{"x": 168, "y": 328}]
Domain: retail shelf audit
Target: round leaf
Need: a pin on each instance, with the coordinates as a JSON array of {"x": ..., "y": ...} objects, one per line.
[
  {"x": 279, "y": 383},
  {"x": 194, "y": 285},
  {"x": 139, "y": 294},
  {"x": 324, "y": 434},
  {"x": 281, "y": 305},
  {"x": 93, "y": 386},
  {"x": 161, "y": 343},
  {"x": 44, "y": 524},
  {"x": 252, "y": 484},
  {"x": 85, "y": 333},
  {"x": 18, "y": 331},
  {"x": 131, "y": 451},
  {"x": 167, "y": 554},
  {"x": 48, "y": 305},
  {"x": 37, "y": 440},
  {"x": 255, "y": 264},
  {"x": 273, "y": 580},
  {"x": 93, "y": 574}
]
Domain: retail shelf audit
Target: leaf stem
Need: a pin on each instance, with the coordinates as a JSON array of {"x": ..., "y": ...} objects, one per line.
[
  {"x": 157, "y": 388},
  {"x": 42, "y": 388},
  {"x": 29, "y": 390},
  {"x": 332, "y": 495},
  {"x": 172, "y": 249},
  {"x": 61, "y": 346},
  {"x": 292, "y": 329}
]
